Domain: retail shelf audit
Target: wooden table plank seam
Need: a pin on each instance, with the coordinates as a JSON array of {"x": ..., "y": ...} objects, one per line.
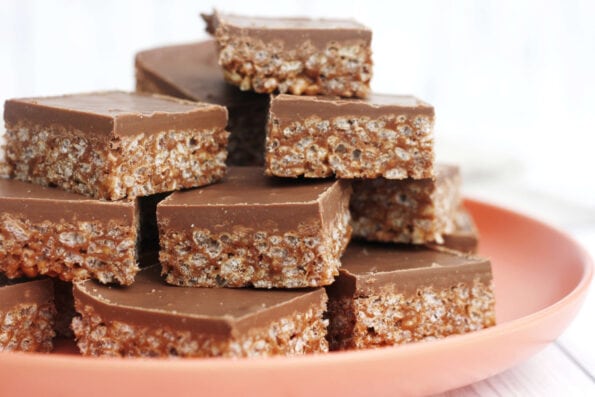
[
  {"x": 575, "y": 360},
  {"x": 551, "y": 372}
]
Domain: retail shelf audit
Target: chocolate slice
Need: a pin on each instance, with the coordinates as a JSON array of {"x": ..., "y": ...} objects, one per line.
[
  {"x": 151, "y": 318},
  {"x": 255, "y": 230},
  {"x": 47, "y": 231},
  {"x": 26, "y": 315},
  {"x": 465, "y": 237},
  {"x": 407, "y": 211},
  {"x": 394, "y": 294},
  {"x": 387, "y": 136},
  {"x": 190, "y": 71},
  {"x": 295, "y": 55},
  {"x": 114, "y": 145}
]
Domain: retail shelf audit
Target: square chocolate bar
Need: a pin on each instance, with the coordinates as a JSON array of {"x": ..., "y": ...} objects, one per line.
[
  {"x": 465, "y": 236},
  {"x": 255, "y": 230},
  {"x": 387, "y": 294},
  {"x": 153, "y": 319},
  {"x": 295, "y": 55},
  {"x": 409, "y": 210},
  {"x": 190, "y": 71},
  {"x": 385, "y": 136},
  {"x": 27, "y": 314},
  {"x": 47, "y": 231},
  {"x": 113, "y": 145}
]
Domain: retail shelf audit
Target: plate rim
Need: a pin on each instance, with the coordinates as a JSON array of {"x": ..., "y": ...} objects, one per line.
[{"x": 345, "y": 357}]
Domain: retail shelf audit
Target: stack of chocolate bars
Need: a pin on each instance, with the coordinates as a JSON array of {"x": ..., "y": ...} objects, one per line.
[{"x": 319, "y": 222}]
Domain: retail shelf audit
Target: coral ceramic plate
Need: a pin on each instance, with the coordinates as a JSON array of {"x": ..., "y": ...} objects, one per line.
[{"x": 541, "y": 278}]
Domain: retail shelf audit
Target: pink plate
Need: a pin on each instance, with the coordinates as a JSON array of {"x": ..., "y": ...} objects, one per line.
[{"x": 541, "y": 278}]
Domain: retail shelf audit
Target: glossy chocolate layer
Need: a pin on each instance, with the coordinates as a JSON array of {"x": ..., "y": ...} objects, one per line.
[
  {"x": 115, "y": 113},
  {"x": 292, "y": 107},
  {"x": 38, "y": 203},
  {"x": 294, "y": 32},
  {"x": 369, "y": 268},
  {"x": 248, "y": 198},
  {"x": 220, "y": 312},
  {"x": 15, "y": 292},
  {"x": 190, "y": 71}
]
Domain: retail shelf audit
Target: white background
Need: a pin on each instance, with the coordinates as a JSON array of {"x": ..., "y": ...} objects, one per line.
[{"x": 513, "y": 84}]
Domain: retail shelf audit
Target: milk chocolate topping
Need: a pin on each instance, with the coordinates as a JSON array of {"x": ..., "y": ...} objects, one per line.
[
  {"x": 221, "y": 312},
  {"x": 115, "y": 113},
  {"x": 191, "y": 71},
  {"x": 38, "y": 203},
  {"x": 15, "y": 292},
  {"x": 249, "y": 198},
  {"x": 294, "y": 32},
  {"x": 370, "y": 267},
  {"x": 291, "y": 107}
]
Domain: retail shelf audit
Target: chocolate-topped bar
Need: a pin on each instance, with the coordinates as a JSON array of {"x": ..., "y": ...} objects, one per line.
[
  {"x": 465, "y": 237},
  {"x": 294, "y": 55},
  {"x": 407, "y": 211},
  {"x": 26, "y": 315},
  {"x": 387, "y": 136},
  {"x": 154, "y": 319},
  {"x": 389, "y": 294},
  {"x": 255, "y": 230},
  {"x": 113, "y": 144},
  {"x": 190, "y": 71},
  {"x": 47, "y": 231}
]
